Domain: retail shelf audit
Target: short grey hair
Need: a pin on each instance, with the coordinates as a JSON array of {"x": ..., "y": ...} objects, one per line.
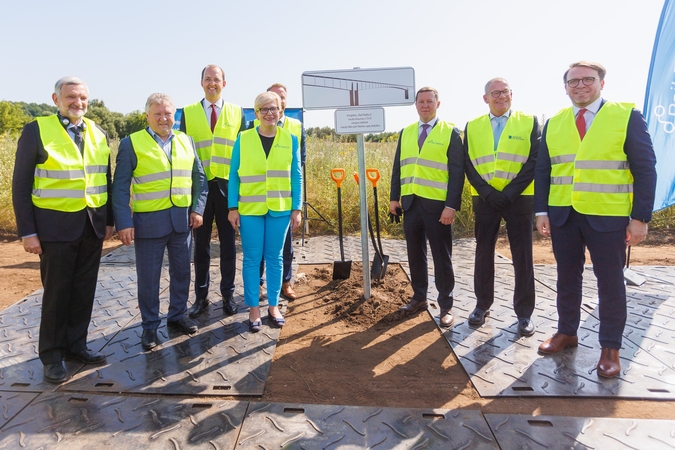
[
  {"x": 489, "y": 83},
  {"x": 157, "y": 99},
  {"x": 68, "y": 81}
]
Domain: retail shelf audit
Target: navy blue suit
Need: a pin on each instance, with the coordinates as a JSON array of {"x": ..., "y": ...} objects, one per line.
[
  {"x": 604, "y": 236},
  {"x": 421, "y": 222},
  {"x": 518, "y": 218},
  {"x": 154, "y": 232}
]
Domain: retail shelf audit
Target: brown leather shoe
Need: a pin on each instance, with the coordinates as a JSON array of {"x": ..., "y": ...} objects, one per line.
[
  {"x": 447, "y": 319},
  {"x": 557, "y": 343},
  {"x": 609, "y": 365},
  {"x": 287, "y": 291},
  {"x": 414, "y": 306}
]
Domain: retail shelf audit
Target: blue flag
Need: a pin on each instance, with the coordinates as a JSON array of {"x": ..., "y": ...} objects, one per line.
[{"x": 660, "y": 106}]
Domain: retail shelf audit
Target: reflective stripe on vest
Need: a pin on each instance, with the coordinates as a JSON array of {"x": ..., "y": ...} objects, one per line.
[
  {"x": 499, "y": 168},
  {"x": 593, "y": 175},
  {"x": 158, "y": 184},
  {"x": 69, "y": 181},
  {"x": 214, "y": 149},
  {"x": 265, "y": 182},
  {"x": 424, "y": 172}
]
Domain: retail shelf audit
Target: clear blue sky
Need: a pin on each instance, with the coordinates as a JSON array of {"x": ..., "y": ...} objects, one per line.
[{"x": 126, "y": 50}]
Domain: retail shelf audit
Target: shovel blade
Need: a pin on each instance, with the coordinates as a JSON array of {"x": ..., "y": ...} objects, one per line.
[
  {"x": 342, "y": 270},
  {"x": 379, "y": 266},
  {"x": 633, "y": 278}
]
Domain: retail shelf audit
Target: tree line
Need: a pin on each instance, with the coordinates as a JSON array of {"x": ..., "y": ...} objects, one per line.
[{"x": 14, "y": 115}]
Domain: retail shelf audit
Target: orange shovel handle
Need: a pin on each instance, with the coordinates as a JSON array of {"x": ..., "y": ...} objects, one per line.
[
  {"x": 338, "y": 175},
  {"x": 373, "y": 175}
]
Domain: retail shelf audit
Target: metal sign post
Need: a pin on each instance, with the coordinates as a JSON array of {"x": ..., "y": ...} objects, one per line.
[
  {"x": 355, "y": 91},
  {"x": 361, "y": 150}
]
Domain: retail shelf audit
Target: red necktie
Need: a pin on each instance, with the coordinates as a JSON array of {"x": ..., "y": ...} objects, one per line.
[
  {"x": 581, "y": 123},
  {"x": 214, "y": 117}
]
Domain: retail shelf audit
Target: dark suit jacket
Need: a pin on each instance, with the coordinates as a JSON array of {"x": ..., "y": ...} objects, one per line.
[
  {"x": 222, "y": 184},
  {"x": 158, "y": 223},
  {"x": 455, "y": 179},
  {"x": 50, "y": 225},
  {"x": 642, "y": 161},
  {"x": 515, "y": 187}
]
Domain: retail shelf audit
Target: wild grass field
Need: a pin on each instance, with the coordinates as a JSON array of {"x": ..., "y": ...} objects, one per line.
[{"x": 322, "y": 156}]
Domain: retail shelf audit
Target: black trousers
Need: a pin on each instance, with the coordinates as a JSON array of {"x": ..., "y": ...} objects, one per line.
[
  {"x": 418, "y": 226},
  {"x": 608, "y": 254},
  {"x": 216, "y": 208},
  {"x": 519, "y": 230},
  {"x": 69, "y": 272}
]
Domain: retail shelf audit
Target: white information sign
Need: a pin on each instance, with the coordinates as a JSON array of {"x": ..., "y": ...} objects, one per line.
[
  {"x": 330, "y": 89},
  {"x": 359, "y": 121}
]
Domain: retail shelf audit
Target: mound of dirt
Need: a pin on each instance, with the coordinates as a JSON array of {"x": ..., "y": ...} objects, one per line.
[{"x": 346, "y": 300}]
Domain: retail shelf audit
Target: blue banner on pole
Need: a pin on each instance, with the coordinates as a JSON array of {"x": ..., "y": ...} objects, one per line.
[{"x": 660, "y": 106}]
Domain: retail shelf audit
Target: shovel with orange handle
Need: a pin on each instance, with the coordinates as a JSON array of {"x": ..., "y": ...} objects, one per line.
[
  {"x": 377, "y": 268},
  {"x": 374, "y": 176},
  {"x": 341, "y": 269}
]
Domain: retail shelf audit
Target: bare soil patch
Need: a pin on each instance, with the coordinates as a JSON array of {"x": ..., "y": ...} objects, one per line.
[{"x": 338, "y": 348}]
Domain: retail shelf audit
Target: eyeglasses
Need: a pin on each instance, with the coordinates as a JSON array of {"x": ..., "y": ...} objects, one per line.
[
  {"x": 496, "y": 94},
  {"x": 266, "y": 111},
  {"x": 574, "y": 82}
]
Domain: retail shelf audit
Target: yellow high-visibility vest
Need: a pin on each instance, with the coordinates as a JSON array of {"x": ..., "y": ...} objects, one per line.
[
  {"x": 158, "y": 184},
  {"x": 424, "y": 172},
  {"x": 593, "y": 175},
  {"x": 513, "y": 149},
  {"x": 69, "y": 181},
  {"x": 265, "y": 181},
  {"x": 214, "y": 149}
]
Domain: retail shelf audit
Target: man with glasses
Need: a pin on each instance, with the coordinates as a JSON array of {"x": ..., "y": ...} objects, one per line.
[
  {"x": 426, "y": 184},
  {"x": 594, "y": 188},
  {"x": 214, "y": 125},
  {"x": 500, "y": 153}
]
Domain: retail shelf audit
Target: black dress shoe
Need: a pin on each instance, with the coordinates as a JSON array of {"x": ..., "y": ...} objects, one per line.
[
  {"x": 183, "y": 325},
  {"x": 477, "y": 317},
  {"x": 230, "y": 308},
  {"x": 525, "y": 327},
  {"x": 414, "y": 306},
  {"x": 86, "y": 356},
  {"x": 56, "y": 373},
  {"x": 149, "y": 339},
  {"x": 198, "y": 307}
]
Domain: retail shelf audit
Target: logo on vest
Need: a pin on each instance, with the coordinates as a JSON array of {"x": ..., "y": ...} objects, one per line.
[
  {"x": 281, "y": 146},
  {"x": 516, "y": 138},
  {"x": 432, "y": 142}
]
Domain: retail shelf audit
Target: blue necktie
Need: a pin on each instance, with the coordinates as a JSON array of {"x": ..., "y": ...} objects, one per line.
[
  {"x": 423, "y": 135},
  {"x": 499, "y": 128}
]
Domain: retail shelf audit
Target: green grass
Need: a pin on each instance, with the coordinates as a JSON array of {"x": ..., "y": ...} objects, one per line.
[
  {"x": 322, "y": 156},
  {"x": 7, "y": 152}
]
